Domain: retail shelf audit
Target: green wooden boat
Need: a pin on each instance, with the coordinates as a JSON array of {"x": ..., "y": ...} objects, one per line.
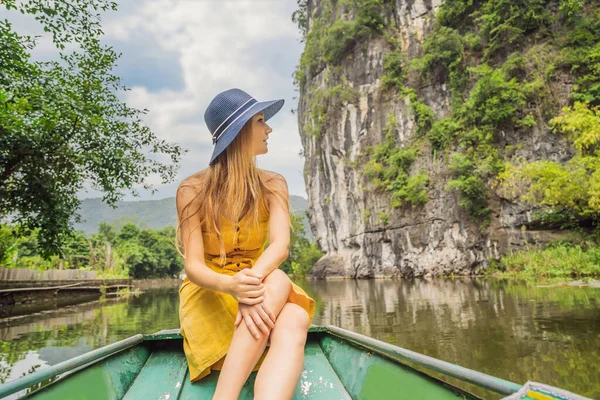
[{"x": 339, "y": 364}]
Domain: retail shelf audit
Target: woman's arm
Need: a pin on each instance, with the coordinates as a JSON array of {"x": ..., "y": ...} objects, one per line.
[
  {"x": 193, "y": 247},
  {"x": 279, "y": 229}
]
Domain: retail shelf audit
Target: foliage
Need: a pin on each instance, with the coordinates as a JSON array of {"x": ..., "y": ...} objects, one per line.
[
  {"x": 324, "y": 99},
  {"x": 137, "y": 253},
  {"x": 389, "y": 169},
  {"x": 8, "y": 244},
  {"x": 62, "y": 123},
  {"x": 457, "y": 13},
  {"x": 339, "y": 37},
  {"x": 368, "y": 14},
  {"x": 300, "y": 17},
  {"x": 580, "y": 48},
  {"x": 309, "y": 253},
  {"x": 572, "y": 188},
  {"x": 496, "y": 101},
  {"x": 512, "y": 96},
  {"x": 413, "y": 192},
  {"x": 303, "y": 253},
  {"x": 502, "y": 62},
  {"x": 567, "y": 261},
  {"x": 581, "y": 123},
  {"x": 393, "y": 77},
  {"x": 503, "y": 24},
  {"x": 443, "y": 132},
  {"x": 500, "y": 25},
  {"x": 470, "y": 186},
  {"x": 443, "y": 52},
  {"x": 393, "y": 68},
  {"x": 334, "y": 31},
  {"x": 424, "y": 116},
  {"x": 495, "y": 97},
  {"x": 384, "y": 218}
]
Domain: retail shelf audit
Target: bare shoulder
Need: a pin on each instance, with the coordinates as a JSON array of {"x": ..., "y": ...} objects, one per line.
[
  {"x": 194, "y": 181},
  {"x": 190, "y": 187},
  {"x": 274, "y": 181}
]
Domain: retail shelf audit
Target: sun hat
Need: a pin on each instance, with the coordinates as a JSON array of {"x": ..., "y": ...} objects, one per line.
[{"x": 229, "y": 111}]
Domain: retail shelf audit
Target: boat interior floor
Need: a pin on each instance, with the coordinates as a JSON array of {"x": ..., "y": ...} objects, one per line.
[{"x": 333, "y": 369}]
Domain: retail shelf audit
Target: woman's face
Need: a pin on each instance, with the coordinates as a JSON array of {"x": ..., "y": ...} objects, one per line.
[{"x": 260, "y": 134}]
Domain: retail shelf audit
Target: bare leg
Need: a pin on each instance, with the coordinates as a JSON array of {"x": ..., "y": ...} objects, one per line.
[
  {"x": 244, "y": 350},
  {"x": 280, "y": 371}
]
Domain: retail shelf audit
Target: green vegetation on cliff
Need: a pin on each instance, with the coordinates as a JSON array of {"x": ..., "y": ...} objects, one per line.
[
  {"x": 571, "y": 190},
  {"x": 324, "y": 99},
  {"x": 513, "y": 71},
  {"x": 332, "y": 33},
  {"x": 336, "y": 27},
  {"x": 389, "y": 169},
  {"x": 502, "y": 61}
]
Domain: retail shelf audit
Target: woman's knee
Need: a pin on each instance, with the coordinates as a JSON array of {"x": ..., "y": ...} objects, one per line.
[{"x": 291, "y": 326}]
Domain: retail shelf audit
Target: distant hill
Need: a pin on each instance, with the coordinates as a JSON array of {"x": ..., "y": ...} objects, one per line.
[{"x": 152, "y": 214}]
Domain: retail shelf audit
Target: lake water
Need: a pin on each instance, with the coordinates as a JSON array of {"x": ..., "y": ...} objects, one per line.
[{"x": 507, "y": 329}]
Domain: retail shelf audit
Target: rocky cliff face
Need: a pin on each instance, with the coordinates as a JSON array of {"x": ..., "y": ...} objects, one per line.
[{"x": 344, "y": 109}]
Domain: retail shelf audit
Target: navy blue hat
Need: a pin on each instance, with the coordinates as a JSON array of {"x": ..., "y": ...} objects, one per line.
[{"x": 229, "y": 111}]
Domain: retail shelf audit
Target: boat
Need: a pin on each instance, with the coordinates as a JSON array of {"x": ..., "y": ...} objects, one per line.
[{"x": 338, "y": 364}]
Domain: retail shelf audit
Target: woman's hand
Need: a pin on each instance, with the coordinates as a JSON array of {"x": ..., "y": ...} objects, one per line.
[
  {"x": 246, "y": 287},
  {"x": 259, "y": 320}
]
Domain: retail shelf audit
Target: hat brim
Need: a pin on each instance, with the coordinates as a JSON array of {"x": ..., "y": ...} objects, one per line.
[{"x": 269, "y": 108}]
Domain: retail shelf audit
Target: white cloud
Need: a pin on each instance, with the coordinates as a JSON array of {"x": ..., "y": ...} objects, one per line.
[{"x": 252, "y": 45}]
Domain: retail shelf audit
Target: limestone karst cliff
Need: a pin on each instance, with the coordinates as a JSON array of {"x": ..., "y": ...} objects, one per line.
[{"x": 409, "y": 112}]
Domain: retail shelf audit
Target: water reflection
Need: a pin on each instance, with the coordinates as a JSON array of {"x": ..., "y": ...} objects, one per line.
[
  {"x": 48, "y": 338},
  {"x": 506, "y": 329}
]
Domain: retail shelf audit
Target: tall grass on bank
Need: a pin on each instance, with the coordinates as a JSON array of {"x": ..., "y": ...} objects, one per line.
[{"x": 562, "y": 261}]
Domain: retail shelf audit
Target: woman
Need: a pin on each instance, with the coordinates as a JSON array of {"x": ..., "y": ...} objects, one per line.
[{"x": 235, "y": 301}]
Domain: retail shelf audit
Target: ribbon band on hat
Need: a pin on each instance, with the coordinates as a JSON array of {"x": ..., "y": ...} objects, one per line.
[{"x": 233, "y": 117}]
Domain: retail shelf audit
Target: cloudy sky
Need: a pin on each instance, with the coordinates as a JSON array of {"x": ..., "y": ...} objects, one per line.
[{"x": 178, "y": 54}]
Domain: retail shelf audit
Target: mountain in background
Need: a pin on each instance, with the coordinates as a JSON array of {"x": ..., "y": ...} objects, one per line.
[{"x": 151, "y": 214}]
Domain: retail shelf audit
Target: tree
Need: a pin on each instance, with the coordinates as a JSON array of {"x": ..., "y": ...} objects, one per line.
[
  {"x": 106, "y": 232},
  {"x": 128, "y": 233},
  {"x": 62, "y": 123},
  {"x": 303, "y": 253},
  {"x": 77, "y": 250}
]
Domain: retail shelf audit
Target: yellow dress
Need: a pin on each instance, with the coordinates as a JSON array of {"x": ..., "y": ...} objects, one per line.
[{"x": 207, "y": 316}]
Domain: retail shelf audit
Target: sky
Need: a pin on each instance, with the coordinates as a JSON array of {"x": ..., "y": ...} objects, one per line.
[{"x": 178, "y": 54}]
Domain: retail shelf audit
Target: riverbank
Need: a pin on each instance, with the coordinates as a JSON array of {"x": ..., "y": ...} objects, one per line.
[
  {"x": 564, "y": 261},
  {"x": 18, "y": 298},
  {"x": 554, "y": 263}
]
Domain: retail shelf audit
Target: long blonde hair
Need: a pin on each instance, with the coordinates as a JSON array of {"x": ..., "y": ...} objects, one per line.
[{"x": 232, "y": 186}]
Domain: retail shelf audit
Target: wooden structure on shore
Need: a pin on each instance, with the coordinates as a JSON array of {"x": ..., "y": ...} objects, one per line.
[
  {"x": 27, "y": 274},
  {"x": 17, "y": 297}
]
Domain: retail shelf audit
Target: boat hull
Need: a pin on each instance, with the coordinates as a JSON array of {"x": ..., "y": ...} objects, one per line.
[{"x": 338, "y": 364}]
